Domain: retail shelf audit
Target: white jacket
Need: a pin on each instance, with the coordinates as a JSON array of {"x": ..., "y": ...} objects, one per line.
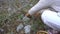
[{"x": 55, "y": 4}]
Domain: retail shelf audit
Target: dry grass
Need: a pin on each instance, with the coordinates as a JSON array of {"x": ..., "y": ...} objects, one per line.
[{"x": 11, "y": 14}]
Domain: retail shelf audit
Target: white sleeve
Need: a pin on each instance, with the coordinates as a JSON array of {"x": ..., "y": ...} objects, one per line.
[{"x": 40, "y": 5}]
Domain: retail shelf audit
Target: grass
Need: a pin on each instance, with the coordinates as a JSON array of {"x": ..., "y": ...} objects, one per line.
[{"x": 14, "y": 19}]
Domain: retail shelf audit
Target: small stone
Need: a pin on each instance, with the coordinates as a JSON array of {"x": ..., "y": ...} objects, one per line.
[
  {"x": 9, "y": 9},
  {"x": 19, "y": 27},
  {"x": 27, "y": 29},
  {"x": 25, "y": 19},
  {"x": 31, "y": 4},
  {"x": 1, "y": 30}
]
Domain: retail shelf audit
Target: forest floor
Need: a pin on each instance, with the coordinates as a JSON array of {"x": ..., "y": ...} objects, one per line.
[{"x": 11, "y": 14}]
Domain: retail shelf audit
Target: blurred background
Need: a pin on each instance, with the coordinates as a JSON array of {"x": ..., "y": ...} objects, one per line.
[{"x": 11, "y": 14}]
